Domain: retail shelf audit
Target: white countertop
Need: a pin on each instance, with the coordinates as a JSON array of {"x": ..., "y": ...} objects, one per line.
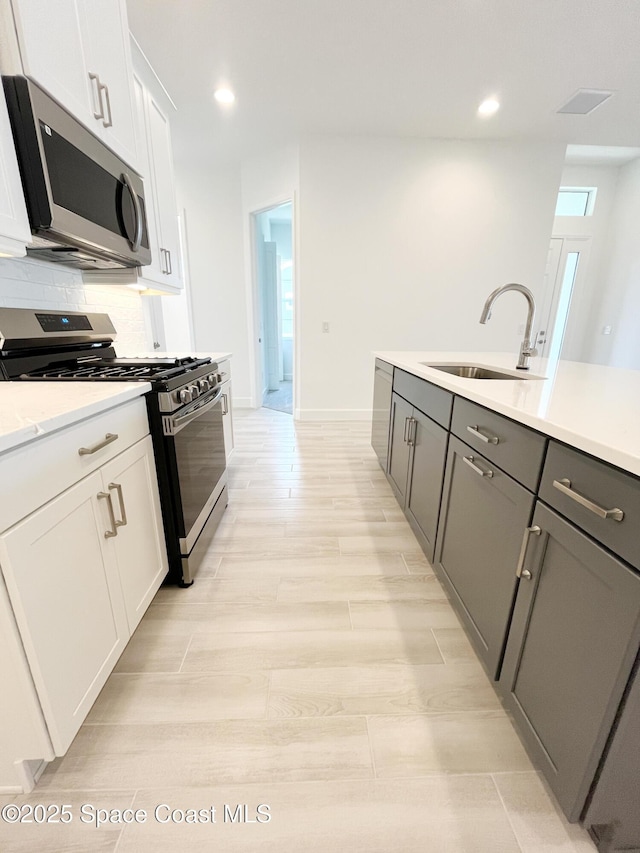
[
  {"x": 589, "y": 406},
  {"x": 29, "y": 410}
]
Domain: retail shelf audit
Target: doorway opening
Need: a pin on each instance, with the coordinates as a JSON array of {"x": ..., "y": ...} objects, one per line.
[{"x": 273, "y": 252}]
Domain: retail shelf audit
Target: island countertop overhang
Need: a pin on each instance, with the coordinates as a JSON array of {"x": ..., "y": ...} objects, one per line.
[{"x": 591, "y": 407}]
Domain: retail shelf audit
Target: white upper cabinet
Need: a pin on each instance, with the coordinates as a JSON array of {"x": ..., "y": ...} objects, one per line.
[
  {"x": 164, "y": 193},
  {"x": 152, "y": 107},
  {"x": 14, "y": 224},
  {"x": 78, "y": 50}
]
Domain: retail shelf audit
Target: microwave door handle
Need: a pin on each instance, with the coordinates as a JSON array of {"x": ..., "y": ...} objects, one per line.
[
  {"x": 126, "y": 180},
  {"x": 172, "y": 425}
]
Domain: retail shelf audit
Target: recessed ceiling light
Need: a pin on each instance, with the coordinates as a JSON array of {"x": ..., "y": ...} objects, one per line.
[
  {"x": 224, "y": 96},
  {"x": 489, "y": 107}
]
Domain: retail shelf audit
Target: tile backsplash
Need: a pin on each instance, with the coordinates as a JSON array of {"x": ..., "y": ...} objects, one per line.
[{"x": 27, "y": 283}]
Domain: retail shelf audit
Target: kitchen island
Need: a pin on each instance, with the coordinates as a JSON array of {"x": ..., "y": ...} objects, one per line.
[{"x": 524, "y": 492}]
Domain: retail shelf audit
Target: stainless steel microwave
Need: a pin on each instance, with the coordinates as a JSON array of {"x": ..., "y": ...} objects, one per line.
[{"x": 86, "y": 207}]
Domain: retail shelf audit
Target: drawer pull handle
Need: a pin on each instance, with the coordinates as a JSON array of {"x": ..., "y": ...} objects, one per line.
[
  {"x": 112, "y": 516},
  {"x": 123, "y": 511},
  {"x": 225, "y": 404},
  {"x": 564, "y": 486},
  {"x": 488, "y": 439},
  {"x": 471, "y": 462},
  {"x": 521, "y": 572},
  {"x": 87, "y": 451}
]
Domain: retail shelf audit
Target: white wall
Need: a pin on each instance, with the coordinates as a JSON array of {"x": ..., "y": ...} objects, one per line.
[
  {"x": 27, "y": 283},
  {"x": 401, "y": 240},
  {"x": 213, "y": 206},
  {"x": 617, "y": 298}
]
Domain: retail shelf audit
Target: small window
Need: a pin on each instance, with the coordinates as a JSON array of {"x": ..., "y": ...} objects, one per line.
[{"x": 575, "y": 201}]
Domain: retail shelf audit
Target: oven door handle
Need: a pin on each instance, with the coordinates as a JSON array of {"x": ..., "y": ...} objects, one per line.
[{"x": 172, "y": 424}]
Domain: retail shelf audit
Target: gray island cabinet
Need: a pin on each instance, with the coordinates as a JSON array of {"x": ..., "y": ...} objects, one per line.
[
  {"x": 418, "y": 433},
  {"x": 537, "y": 544}
]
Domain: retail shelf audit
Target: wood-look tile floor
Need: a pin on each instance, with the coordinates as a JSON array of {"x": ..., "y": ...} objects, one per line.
[{"x": 315, "y": 667}]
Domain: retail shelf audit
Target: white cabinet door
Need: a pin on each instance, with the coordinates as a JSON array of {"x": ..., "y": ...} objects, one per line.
[
  {"x": 161, "y": 162},
  {"x": 139, "y": 545},
  {"x": 78, "y": 50},
  {"x": 227, "y": 418},
  {"x": 52, "y": 52},
  {"x": 65, "y": 593},
  {"x": 152, "y": 272},
  {"x": 14, "y": 224},
  {"x": 105, "y": 34}
]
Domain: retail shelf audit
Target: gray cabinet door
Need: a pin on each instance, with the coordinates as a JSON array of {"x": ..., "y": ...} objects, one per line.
[
  {"x": 399, "y": 448},
  {"x": 573, "y": 641},
  {"x": 425, "y": 480},
  {"x": 382, "y": 385},
  {"x": 483, "y": 515},
  {"x": 613, "y": 815}
]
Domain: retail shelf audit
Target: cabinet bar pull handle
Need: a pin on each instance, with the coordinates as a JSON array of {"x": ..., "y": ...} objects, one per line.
[
  {"x": 225, "y": 404},
  {"x": 488, "y": 439},
  {"x": 106, "y": 122},
  {"x": 114, "y": 524},
  {"x": 169, "y": 263},
  {"x": 564, "y": 486},
  {"x": 471, "y": 462},
  {"x": 406, "y": 429},
  {"x": 93, "y": 448},
  {"x": 521, "y": 572},
  {"x": 123, "y": 511},
  {"x": 413, "y": 428},
  {"x": 97, "y": 90}
]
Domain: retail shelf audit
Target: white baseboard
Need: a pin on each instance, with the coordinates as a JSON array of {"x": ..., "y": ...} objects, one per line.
[{"x": 332, "y": 414}]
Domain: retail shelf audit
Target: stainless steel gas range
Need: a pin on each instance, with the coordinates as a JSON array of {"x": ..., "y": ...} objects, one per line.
[{"x": 184, "y": 406}]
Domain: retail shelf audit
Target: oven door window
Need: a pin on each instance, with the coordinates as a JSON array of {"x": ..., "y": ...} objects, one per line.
[{"x": 200, "y": 463}]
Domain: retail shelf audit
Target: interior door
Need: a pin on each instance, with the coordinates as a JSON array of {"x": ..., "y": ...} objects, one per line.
[
  {"x": 566, "y": 267},
  {"x": 269, "y": 288}
]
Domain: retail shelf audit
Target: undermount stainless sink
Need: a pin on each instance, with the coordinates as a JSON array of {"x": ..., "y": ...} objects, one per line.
[{"x": 475, "y": 371}]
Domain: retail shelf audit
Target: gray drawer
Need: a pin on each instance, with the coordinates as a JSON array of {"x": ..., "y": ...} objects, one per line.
[
  {"x": 430, "y": 399},
  {"x": 604, "y": 488},
  {"x": 515, "y": 448}
]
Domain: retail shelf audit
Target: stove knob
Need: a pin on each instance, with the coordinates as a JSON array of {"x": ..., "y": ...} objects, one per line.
[
  {"x": 195, "y": 391},
  {"x": 185, "y": 396},
  {"x": 203, "y": 385},
  {"x": 214, "y": 379}
]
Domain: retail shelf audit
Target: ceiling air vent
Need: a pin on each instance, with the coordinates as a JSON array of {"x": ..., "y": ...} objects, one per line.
[{"x": 584, "y": 101}]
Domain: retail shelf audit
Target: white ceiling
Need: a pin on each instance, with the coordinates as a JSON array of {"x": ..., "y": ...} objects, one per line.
[{"x": 390, "y": 67}]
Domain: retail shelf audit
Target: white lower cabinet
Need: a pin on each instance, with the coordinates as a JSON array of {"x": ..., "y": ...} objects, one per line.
[
  {"x": 80, "y": 571},
  {"x": 224, "y": 369},
  {"x": 130, "y": 480},
  {"x": 65, "y": 592}
]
